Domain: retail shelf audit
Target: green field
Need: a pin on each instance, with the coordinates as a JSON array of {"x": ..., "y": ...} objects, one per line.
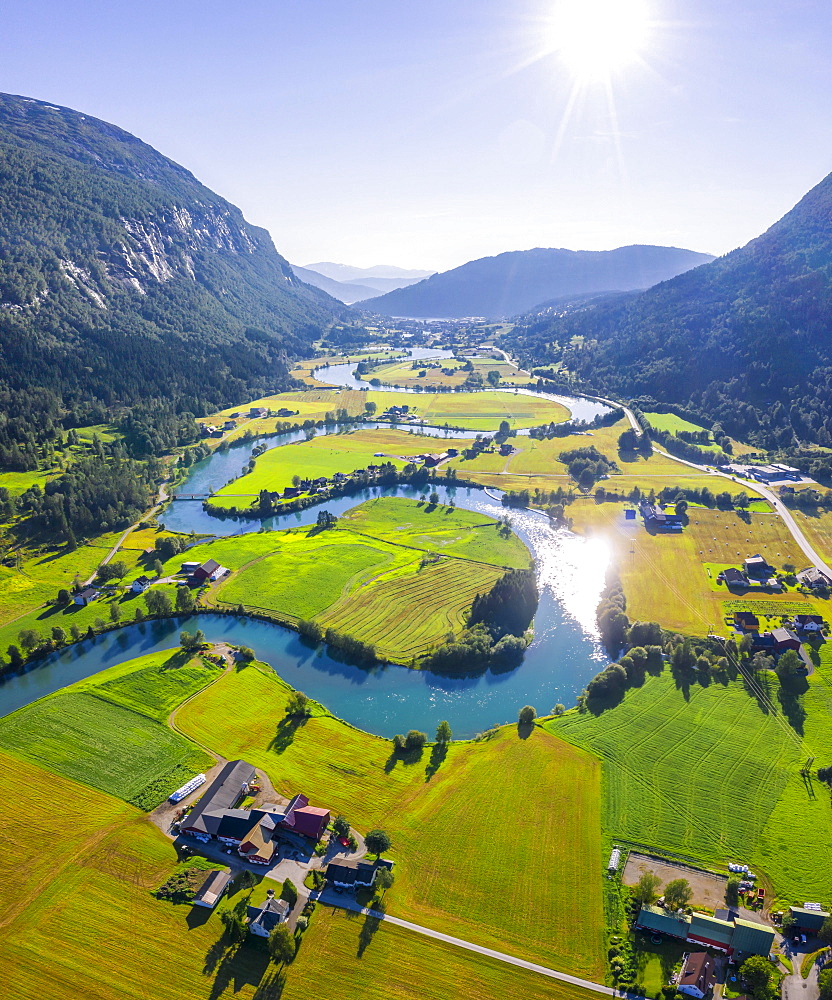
[
  {"x": 368, "y": 577},
  {"x": 122, "y": 751},
  {"x": 406, "y": 616},
  {"x": 671, "y": 423},
  {"x": 471, "y": 835},
  {"x": 707, "y": 774},
  {"x": 345, "y": 955},
  {"x": 322, "y": 456}
]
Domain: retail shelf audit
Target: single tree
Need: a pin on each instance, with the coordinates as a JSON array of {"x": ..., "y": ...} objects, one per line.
[
  {"x": 282, "y": 945},
  {"x": 289, "y": 892},
  {"x": 443, "y": 732},
  {"x": 759, "y": 976},
  {"x": 825, "y": 933},
  {"x": 341, "y": 826},
  {"x": 188, "y": 642},
  {"x": 115, "y": 613},
  {"x": 825, "y": 985},
  {"x": 58, "y": 635},
  {"x": 415, "y": 740},
  {"x": 677, "y": 894},
  {"x": 28, "y": 639},
  {"x": 15, "y": 657},
  {"x": 184, "y": 599},
  {"x": 788, "y": 666},
  {"x": 384, "y": 880},
  {"x": 158, "y": 602},
  {"x": 235, "y": 926},
  {"x": 64, "y": 597},
  {"x": 434, "y": 498},
  {"x": 732, "y": 892},
  {"x": 158, "y": 569},
  {"x": 527, "y": 715},
  {"x": 377, "y": 842},
  {"x": 644, "y": 891},
  {"x": 298, "y": 704},
  {"x": 558, "y": 709}
]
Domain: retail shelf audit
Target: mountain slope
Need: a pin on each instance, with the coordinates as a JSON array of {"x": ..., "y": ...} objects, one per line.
[
  {"x": 124, "y": 280},
  {"x": 515, "y": 282},
  {"x": 344, "y": 291},
  {"x": 746, "y": 340},
  {"x": 388, "y": 272}
]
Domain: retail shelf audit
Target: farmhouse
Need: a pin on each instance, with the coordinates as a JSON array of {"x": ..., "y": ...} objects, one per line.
[
  {"x": 808, "y": 623},
  {"x": 656, "y": 518},
  {"x": 746, "y": 621},
  {"x": 757, "y": 567},
  {"x": 352, "y": 874},
  {"x": 812, "y": 577},
  {"x": 698, "y": 974},
  {"x": 733, "y": 577},
  {"x": 212, "y": 888},
  {"x": 140, "y": 585},
  {"x": 209, "y": 570},
  {"x": 710, "y": 932},
  {"x": 262, "y": 920},
  {"x": 257, "y": 845},
  {"x": 86, "y": 596}
]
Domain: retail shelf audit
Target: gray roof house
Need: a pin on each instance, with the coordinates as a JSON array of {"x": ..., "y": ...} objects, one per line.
[
  {"x": 262, "y": 920},
  {"x": 212, "y": 888}
]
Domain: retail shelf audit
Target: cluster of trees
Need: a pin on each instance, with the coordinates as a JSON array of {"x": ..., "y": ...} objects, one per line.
[
  {"x": 94, "y": 495},
  {"x": 509, "y": 607},
  {"x": 475, "y": 650},
  {"x": 566, "y": 428},
  {"x": 586, "y": 465}
]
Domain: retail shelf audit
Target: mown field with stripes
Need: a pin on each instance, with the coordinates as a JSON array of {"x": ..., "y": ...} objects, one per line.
[
  {"x": 406, "y": 616},
  {"x": 713, "y": 773},
  {"x": 397, "y": 574}
]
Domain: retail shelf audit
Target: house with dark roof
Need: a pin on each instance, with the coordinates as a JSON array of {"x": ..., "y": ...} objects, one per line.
[
  {"x": 746, "y": 621},
  {"x": 809, "y": 623},
  {"x": 733, "y": 577},
  {"x": 140, "y": 584},
  {"x": 212, "y": 888},
  {"x": 657, "y": 518},
  {"x": 262, "y": 920},
  {"x": 86, "y": 596},
  {"x": 698, "y": 974},
  {"x": 347, "y": 874}
]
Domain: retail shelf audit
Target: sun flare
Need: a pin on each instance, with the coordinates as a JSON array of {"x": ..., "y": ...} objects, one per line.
[{"x": 595, "y": 38}]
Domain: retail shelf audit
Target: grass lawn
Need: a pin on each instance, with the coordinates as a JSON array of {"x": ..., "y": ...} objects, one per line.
[
  {"x": 348, "y": 955},
  {"x": 667, "y": 751},
  {"x": 471, "y": 835},
  {"x": 18, "y": 482},
  {"x": 405, "y": 374},
  {"x": 104, "y": 745},
  {"x": 368, "y": 577}
]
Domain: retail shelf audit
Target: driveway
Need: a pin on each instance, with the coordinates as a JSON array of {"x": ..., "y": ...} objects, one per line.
[{"x": 795, "y": 987}]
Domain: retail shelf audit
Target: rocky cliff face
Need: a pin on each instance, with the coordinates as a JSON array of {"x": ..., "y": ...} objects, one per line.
[{"x": 115, "y": 260}]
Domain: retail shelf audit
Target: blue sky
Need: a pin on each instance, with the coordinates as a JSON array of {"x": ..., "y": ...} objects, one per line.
[{"x": 430, "y": 133}]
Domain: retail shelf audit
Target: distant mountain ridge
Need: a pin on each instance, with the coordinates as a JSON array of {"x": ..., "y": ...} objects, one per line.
[
  {"x": 746, "y": 340},
  {"x": 517, "y": 281},
  {"x": 345, "y": 291},
  {"x": 357, "y": 283},
  {"x": 123, "y": 279}
]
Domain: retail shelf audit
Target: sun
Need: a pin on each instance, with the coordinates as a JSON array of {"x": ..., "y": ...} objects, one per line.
[{"x": 596, "y": 38}]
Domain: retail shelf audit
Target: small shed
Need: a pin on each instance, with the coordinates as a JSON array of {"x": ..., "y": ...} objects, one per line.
[{"x": 212, "y": 888}]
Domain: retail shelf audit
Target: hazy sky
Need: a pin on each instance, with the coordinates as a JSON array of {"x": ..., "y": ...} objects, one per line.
[{"x": 429, "y": 133}]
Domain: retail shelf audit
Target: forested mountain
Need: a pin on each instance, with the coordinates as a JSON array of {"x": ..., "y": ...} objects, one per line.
[
  {"x": 516, "y": 282},
  {"x": 124, "y": 281},
  {"x": 745, "y": 340}
]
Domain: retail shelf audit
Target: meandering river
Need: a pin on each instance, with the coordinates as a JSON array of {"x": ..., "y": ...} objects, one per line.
[{"x": 565, "y": 653}]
